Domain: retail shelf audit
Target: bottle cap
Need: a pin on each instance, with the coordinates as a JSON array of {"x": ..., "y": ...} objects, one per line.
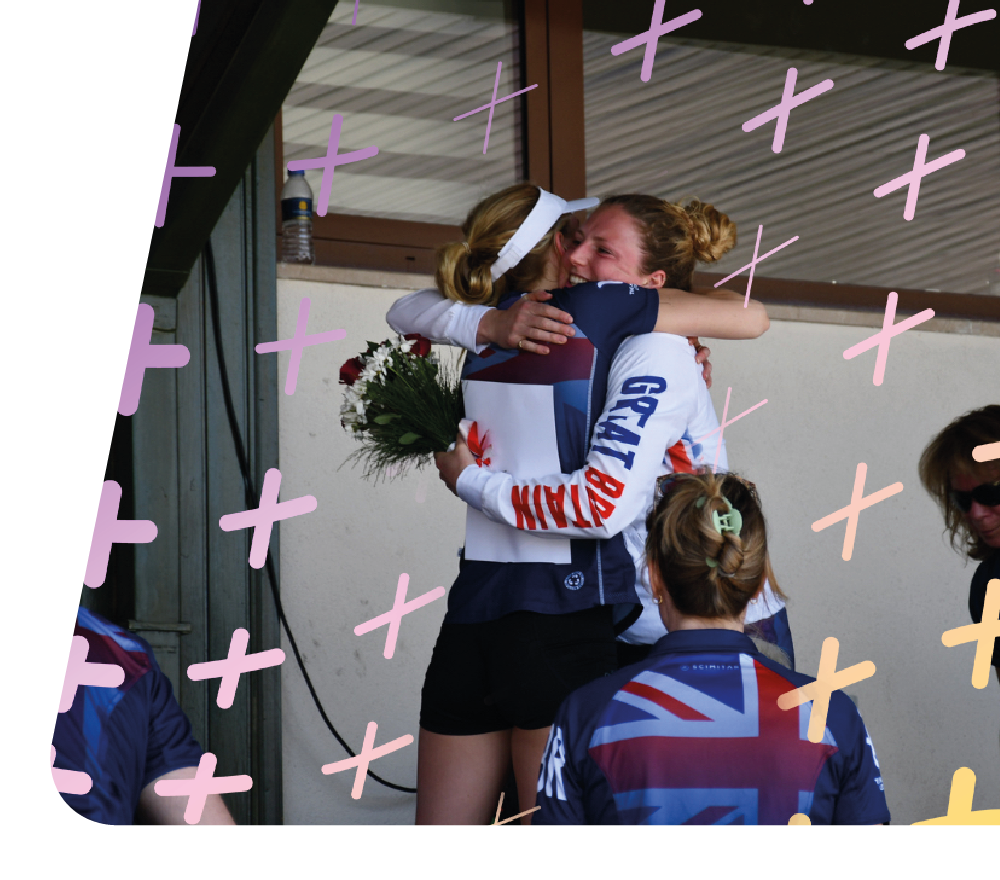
[{"x": 296, "y": 174}]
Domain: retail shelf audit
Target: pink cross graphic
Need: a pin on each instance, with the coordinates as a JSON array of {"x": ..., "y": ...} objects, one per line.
[
  {"x": 858, "y": 503},
  {"x": 394, "y": 616},
  {"x": 912, "y": 178},
  {"x": 725, "y": 424},
  {"x": 354, "y": 20},
  {"x": 172, "y": 171},
  {"x": 943, "y": 32},
  {"x": 230, "y": 669},
  {"x": 69, "y": 781},
  {"x": 657, "y": 28},
  {"x": 492, "y": 104},
  {"x": 330, "y": 161},
  {"x": 143, "y": 356},
  {"x": 367, "y": 755},
  {"x": 753, "y": 263},
  {"x": 986, "y": 452},
  {"x": 783, "y": 109},
  {"x": 883, "y": 338},
  {"x": 262, "y": 518},
  {"x": 298, "y": 342},
  {"x": 79, "y": 671},
  {"x": 199, "y": 788},
  {"x": 110, "y": 530}
]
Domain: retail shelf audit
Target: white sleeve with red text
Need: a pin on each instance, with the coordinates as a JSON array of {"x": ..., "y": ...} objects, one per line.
[
  {"x": 652, "y": 392},
  {"x": 441, "y": 320}
]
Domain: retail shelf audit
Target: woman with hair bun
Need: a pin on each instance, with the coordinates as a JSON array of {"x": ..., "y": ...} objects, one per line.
[
  {"x": 694, "y": 734},
  {"x": 524, "y": 627},
  {"x": 671, "y": 239}
]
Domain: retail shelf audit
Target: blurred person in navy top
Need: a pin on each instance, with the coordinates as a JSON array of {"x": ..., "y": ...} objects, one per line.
[
  {"x": 693, "y": 734},
  {"x": 128, "y": 738}
]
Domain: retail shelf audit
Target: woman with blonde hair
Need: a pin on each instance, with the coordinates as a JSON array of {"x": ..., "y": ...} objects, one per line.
[
  {"x": 522, "y": 631},
  {"x": 694, "y": 734}
]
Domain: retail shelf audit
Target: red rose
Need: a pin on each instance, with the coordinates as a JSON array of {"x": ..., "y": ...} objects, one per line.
[
  {"x": 351, "y": 370},
  {"x": 422, "y": 345}
]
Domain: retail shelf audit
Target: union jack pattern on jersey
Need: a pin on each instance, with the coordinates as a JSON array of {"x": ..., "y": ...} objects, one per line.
[{"x": 694, "y": 735}]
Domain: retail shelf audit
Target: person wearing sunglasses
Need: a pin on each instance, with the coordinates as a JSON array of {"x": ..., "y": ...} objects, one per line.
[
  {"x": 695, "y": 734},
  {"x": 968, "y": 493}
]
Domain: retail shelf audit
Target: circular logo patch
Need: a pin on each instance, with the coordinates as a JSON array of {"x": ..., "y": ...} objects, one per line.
[{"x": 574, "y": 580}]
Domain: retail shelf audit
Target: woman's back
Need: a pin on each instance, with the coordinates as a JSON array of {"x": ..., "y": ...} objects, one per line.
[
  {"x": 694, "y": 735},
  {"x": 572, "y": 379}
]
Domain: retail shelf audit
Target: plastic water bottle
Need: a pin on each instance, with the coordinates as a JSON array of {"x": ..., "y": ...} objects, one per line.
[{"x": 296, "y": 220}]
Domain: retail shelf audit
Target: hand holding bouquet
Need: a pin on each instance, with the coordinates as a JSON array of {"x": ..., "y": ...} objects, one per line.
[{"x": 400, "y": 403}]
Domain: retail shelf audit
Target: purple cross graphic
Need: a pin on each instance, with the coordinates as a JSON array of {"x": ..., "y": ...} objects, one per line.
[
  {"x": 657, "y": 28},
  {"x": 142, "y": 356},
  {"x": 912, "y": 178},
  {"x": 172, "y": 171},
  {"x": 79, "y": 671},
  {"x": 262, "y": 518},
  {"x": 783, "y": 108},
  {"x": 884, "y": 336},
  {"x": 330, "y": 161},
  {"x": 493, "y": 102},
  {"x": 943, "y": 32},
  {"x": 753, "y": 263},
  {"x": 110, "y": 530},
  {"x": 297, "y": 343}
]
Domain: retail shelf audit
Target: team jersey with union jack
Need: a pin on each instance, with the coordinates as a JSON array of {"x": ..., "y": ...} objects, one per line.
[{"x": 693, "y": 735}]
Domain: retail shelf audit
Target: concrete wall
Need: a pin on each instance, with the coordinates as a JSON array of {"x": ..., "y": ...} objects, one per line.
[{"x": 890, "y": 603}]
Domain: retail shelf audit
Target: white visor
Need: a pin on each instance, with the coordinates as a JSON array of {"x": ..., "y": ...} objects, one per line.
[{"x": 548, "y": 209}]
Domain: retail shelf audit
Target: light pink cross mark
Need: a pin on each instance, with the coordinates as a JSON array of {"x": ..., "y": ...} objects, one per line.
[
  {"x": 110, "y": 530},
  {"x": 172, "y": 171},
  {"x": 143, "y": 356},
  {"x": 298, "y": 342},
  {"x": 986, "y": 452},
  {"x": 394, "y": 616},
  {"x": 657, "y": 28},
  {"x": 230, "y": 669},
  {"x": 69, "y": 781},
  {"x": 783, "y": 109},
  {"x": 354, "y": 20},
  {"x": 262, "y": 518},
  {"x": 198, "y": 789},
  {"x": 920, "y": 170},
  {"x": 753, "y": 263},
  {"x": 492, "y": 104},
  {"x": 858, "y": 503},
  {"x": 330, "y": 161},
  {"x": 367, "y": 755},
  {"x": 79, "y": 671},
  {"x": 884, "y": 336},
  {"x": 725, "y": 424},
  {"x": 943, "y": 32}
]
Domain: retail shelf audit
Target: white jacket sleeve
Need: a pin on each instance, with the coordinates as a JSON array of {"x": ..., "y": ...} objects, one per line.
[
  {"x": 441, "y": 320},
  {"x": 652, "y": 392}
]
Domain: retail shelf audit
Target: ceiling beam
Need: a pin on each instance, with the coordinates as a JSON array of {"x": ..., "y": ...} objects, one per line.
[{"x": 242, "y": 63}]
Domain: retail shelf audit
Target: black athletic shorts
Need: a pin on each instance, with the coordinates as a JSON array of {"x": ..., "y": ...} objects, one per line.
[{"x": 513, "y": 672}]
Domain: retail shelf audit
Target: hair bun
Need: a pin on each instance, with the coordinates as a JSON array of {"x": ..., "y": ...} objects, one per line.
[
  {"x": 712, "y": 232},
  {"x": 463, "y": 272}
]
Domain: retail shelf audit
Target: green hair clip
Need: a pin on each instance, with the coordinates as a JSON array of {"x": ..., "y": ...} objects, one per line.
[{"x": 724, "y": 522}]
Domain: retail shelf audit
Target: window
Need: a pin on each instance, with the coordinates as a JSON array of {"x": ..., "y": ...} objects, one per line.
[{"x": 591, "y": 126}]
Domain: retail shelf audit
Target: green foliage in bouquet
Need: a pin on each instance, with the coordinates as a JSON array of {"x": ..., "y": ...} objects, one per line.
[{"x": 401, "y": 404}]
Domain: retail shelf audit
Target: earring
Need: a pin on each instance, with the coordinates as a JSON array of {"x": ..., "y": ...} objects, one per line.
[{"x": 657, "y": 600}]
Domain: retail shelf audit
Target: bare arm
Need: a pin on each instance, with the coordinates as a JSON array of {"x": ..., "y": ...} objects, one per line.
[
  {"x": 719, "y": 314},
  {"x": 157, "y": 809}
]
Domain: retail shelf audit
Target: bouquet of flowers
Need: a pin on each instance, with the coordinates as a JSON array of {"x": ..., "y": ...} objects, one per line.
[{"x": 400, "y": 403}]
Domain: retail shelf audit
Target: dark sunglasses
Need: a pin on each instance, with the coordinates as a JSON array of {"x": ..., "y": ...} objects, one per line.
[{"x": 988, "y": 494}]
